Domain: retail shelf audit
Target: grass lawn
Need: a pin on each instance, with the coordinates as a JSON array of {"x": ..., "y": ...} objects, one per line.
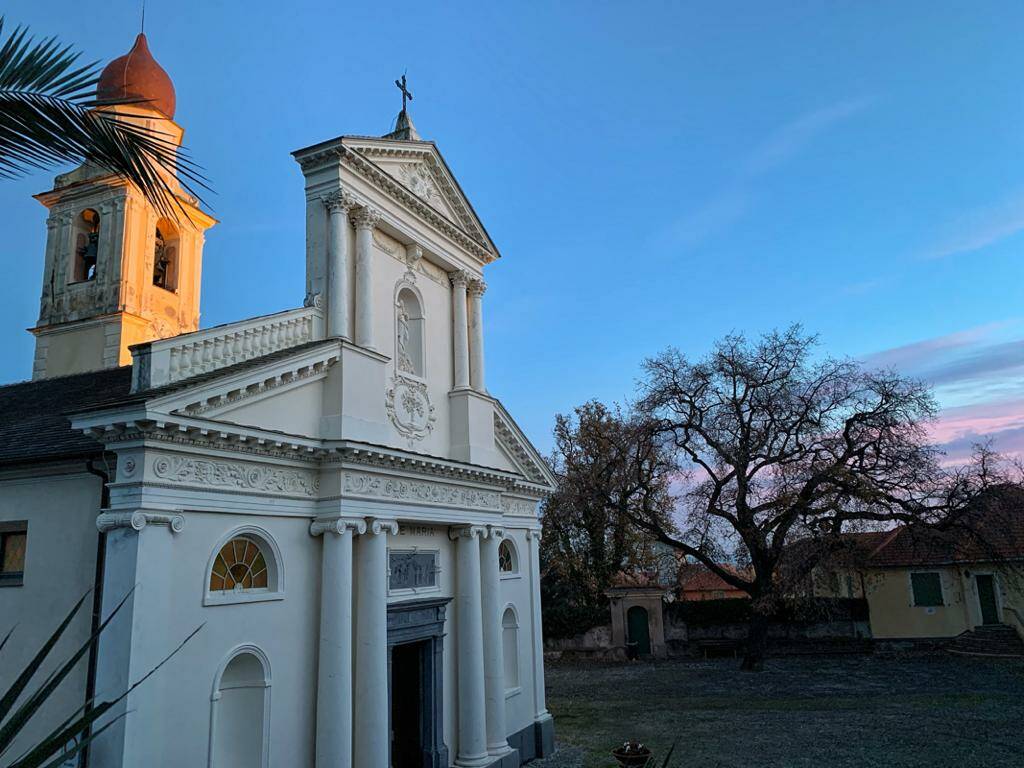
[{"x": 850, "y": 712}]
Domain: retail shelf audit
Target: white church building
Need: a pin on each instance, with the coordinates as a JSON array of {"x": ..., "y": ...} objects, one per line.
[{"x": 330, "y": 492}]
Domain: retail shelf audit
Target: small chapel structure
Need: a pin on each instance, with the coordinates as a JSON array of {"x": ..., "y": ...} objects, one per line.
[{"x": 330, "y": 492}]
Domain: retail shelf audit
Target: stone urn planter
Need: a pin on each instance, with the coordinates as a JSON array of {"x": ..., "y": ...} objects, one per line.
[{"x": 632, "y": 754}]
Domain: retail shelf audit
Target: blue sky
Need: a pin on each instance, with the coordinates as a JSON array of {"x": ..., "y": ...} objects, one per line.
[{"x": 653, "y": 173}]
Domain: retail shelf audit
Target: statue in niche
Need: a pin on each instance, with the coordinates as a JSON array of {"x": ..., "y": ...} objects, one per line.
[
  {"x": 404, "y": 361},
  {"x": 161, "y": 261}
]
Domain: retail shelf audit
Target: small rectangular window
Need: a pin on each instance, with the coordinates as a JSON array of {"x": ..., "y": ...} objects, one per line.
[
  {"x": 13, "y": 543},
  {"x": 927, "y": 589}
]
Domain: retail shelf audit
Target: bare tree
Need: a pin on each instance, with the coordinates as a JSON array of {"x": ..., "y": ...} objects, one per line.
[{"x": 774, "y": 446}]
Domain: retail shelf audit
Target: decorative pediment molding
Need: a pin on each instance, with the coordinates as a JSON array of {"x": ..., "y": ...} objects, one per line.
[{"x": 511, "y": 441}]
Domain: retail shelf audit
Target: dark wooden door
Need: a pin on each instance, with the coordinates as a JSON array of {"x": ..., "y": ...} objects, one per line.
[
  {"x": 987, "y": 598},
  {"x": 639, "y": 632}
]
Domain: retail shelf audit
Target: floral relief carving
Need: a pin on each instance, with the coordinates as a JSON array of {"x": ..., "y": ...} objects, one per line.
[
  {"x": 223, "y": 474},
  {"x": 400, "y": 489}
]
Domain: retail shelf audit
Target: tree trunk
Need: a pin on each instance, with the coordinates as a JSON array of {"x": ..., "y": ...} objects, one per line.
[{"x": 757, "y": 640}]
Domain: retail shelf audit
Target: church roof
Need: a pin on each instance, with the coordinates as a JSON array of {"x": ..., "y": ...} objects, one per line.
[
  {"x": 137, "y": 77},
  {"x": 35, "y": 426}
]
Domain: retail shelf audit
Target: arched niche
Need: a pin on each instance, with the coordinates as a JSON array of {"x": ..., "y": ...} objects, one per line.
[
  {"x": 409, "y": 330},
  {"x": 85, "y": 257},
  {"x": 510, "y": 647},
  {"x": 240, "y": 711},
  {"x": 166, "y": 248}
]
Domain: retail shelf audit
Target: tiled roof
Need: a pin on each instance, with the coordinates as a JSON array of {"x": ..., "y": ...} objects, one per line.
[
  {"x": 33, "y": 421},
  {"x": 994, "y": 530}
]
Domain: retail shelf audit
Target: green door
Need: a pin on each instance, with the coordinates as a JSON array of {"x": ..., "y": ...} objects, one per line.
[
  {"x": 987, "y": 598},
  {"x": 639, "y": 633}
]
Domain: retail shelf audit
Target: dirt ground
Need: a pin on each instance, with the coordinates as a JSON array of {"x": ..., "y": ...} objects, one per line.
[{"x": 849, "y": 712}]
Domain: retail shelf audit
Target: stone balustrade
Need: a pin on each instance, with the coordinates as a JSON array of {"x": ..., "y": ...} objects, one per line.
[{"x": 166, "y": 361}]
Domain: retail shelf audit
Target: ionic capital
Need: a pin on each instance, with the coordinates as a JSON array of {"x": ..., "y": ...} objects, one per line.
[
  {"x": 495, "y": 531},
  {"x": 377, "y": 526},
  {"x": 459, "y": 277},
  {"x": 477, "y": 287},
  {"x": 467, "y": 532},
  {"x": 337, "y": 525},
  {"x": 137, "y": 520},
  {"x": 533, "y": 533},
  {"x": 365, "y": 217},
  {"x": 339, "y": 201}
]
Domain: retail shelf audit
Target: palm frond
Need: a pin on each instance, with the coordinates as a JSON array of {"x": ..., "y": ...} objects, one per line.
[{"x": 49, "y": 116}]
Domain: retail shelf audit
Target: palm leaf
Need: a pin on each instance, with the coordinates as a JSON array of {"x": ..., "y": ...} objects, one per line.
[
  {"x": 10, "y": 728},
  {"x": 12, "y": 694},
  {"x": 49, "y": 116}
]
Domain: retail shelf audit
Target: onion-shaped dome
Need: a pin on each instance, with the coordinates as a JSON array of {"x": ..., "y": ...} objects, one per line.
[{"x": 137, "y": 76}]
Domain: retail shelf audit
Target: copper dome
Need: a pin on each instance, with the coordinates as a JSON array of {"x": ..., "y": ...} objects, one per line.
[{"x": 137, "y": 76}]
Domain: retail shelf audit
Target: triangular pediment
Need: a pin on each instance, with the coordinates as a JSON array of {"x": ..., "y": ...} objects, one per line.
[
  {"x": 419, "y": 167},
  {"x": 516, "y": 447}
]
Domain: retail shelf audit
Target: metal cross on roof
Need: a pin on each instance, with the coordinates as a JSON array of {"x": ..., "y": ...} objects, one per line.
[{"x": 406, "y": 93}]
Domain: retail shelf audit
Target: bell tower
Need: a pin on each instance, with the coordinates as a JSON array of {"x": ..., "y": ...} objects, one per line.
[{"x": 116, "y": 272}]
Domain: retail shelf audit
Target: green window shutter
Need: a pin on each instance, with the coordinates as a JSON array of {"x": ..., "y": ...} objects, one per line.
[{"x": 927, "y": 588}]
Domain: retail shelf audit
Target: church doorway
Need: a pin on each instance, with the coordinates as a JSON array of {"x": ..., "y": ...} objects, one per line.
[
  {"x": 407, "y": 704},
  {"x": 416, "y": 680}
]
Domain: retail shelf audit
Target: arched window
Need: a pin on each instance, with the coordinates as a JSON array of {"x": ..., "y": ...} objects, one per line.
[
  {"x": 510, "y": 647},
  {"x": 87, "y": 246},
  {"x": 408, "y": 332},
  {"x": 165, "y": 256},
  {"x": 508, "y": 559},
  {"x": 244, "y": 568},
  {"x": 239, "y": 717}
]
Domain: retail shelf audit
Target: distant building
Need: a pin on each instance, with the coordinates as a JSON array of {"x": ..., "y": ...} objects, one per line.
[{"x": 697, "y": 582}]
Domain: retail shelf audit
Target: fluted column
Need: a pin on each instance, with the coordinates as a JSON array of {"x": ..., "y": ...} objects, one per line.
[
  {"x": 365, "y": 219},
  {"x": 470, "y": 652},
  {"x": 372, "y": 740},
  {"x": 476, "y": 334},
  {"x": 494, "y": 663},
  {"x": 338, "y": 205},
  {"x": 539, "y": 703},
  {"x": 460, "y": 329},
  {"x": 334, "y": 669}
]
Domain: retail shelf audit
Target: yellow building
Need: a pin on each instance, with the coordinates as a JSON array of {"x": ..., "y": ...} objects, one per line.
[{"x": 926, "y": 585}]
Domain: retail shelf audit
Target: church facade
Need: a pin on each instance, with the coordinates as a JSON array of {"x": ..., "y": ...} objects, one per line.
[{"x": 329, "y": 494}]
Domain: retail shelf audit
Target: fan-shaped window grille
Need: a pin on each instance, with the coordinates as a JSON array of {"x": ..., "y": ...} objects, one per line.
[{"x": 239, "y": 565}]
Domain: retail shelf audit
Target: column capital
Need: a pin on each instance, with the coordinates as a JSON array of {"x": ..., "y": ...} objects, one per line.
[
  {"x": 467, "y": 532},
  {"x": 476, "y": 287},
  {"x": 459, "y": 277},
  {"x": 377, "y": 526},
  {"x": 339, "y": 200},
  {"x": 366, "y": 217},
  {"x": 337, "y": 524},
  {"x": 495, "y": 531},
  {"x": 533, "y": 533},
  {"x": 139, "y": 519}
]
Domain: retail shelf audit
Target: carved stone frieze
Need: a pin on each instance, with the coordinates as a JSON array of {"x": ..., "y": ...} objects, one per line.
[
  {"x": 518, "y": 507},
  {"x": 227, "y": 474},
  {"x": 420, "y": 492}
]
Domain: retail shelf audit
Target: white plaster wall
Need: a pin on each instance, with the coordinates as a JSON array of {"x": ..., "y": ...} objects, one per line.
[
  {"x": 515, "y": 591},
  {"x": 295, "y": 411},
  {"x": 171, "y": 713},
  {"x": 60, "y": 562}
]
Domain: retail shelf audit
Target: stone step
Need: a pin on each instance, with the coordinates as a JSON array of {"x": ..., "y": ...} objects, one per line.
[{"x": 997, "y": 640}]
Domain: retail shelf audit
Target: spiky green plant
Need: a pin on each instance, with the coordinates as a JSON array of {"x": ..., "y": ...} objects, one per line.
[
  {"x": 75, "y": 732},
  {"x": 49, "y": 115}
]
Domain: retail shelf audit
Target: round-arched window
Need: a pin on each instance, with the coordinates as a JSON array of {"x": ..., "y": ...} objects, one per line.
[
  {"x": 507, "y": 561},
  {"x": 240, "y": 564}
]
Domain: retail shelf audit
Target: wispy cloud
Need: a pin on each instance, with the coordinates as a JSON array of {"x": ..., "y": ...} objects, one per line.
[
  {"x": 730, "y": 204},
  {"x": 792, "y": 137},
  {"x": 978, "y": 375},
  {"x": 980, "y": 228}
]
